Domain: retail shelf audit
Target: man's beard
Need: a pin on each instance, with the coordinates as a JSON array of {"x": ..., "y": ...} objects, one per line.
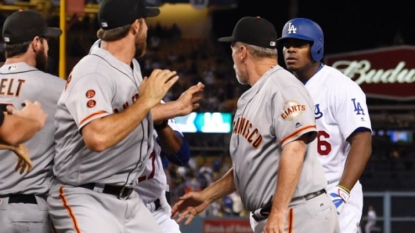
[
  {"x": 41, "y": 60},
  {"x": 140, "y": 46}
]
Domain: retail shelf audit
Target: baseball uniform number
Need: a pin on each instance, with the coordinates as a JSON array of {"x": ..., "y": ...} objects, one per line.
[
  {"x": 153, "y": 168},
  {"x": 323, "y": 146}
]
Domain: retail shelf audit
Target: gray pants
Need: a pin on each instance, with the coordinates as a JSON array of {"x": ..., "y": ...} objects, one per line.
[
  {"x": 313, "y": 216},
  {"x": 76, "y": 209},
  {"x": 24, "y": 218}
]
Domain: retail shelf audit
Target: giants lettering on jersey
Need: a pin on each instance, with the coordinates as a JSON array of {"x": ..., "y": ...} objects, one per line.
[
  {"x": 243, "y": 127},
  {"x": 292, "y": 110},
  {"x": 126, "y": 104}
]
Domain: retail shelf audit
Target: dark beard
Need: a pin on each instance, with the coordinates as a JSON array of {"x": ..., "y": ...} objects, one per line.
[
  {"x": 41, "y": 60},
  {"x": 140, "y": 47}
]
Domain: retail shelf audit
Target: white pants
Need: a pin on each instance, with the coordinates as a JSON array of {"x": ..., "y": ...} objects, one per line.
[
  {"x": 24, "y": 217},
  {"x": 76, "y": 209},
  {"x": 316, "y": 215},
  {"x": 163, "y": 216}
]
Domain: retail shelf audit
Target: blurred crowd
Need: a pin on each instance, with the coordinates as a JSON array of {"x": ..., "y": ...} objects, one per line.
[{"x": 199, "y": 174}]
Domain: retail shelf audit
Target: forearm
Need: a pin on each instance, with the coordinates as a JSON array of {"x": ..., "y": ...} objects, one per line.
[
  {"x": 169, "y": 110},
  {"x": 289, "y": 171},
  {"x": 16, "y": 129},
  {"x": 169, "y": 141},
  {"x": 221, "y": 188},
  {"x": 106, "y": 132},
  {"x": 359, "y": 155}
]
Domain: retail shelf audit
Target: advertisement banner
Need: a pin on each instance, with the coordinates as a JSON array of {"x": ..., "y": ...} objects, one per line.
[
  {"x": 387, "y": 73},
  {"x": 218, "y": 225}
]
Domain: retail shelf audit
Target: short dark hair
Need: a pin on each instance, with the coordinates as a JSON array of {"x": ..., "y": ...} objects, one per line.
[
  {"x": 113, "y": 34},
  {"x": 12, "y": 50}
]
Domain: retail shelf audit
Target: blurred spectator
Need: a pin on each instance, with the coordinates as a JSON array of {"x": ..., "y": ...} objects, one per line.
[{"x": 371, "y": 219}]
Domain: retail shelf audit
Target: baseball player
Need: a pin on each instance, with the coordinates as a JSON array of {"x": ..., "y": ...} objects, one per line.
[
  {"x": 343, "y": 122},
  {"x": 273, "y": 148},
  {"x": 23, "y": 205},
  {"x": 104, "y": 129},
  {"x": 153, "y": 188}
]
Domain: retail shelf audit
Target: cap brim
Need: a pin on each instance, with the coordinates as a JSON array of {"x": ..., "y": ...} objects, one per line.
[
  {"x": 53, "y": 32},
  {"x": 295, "y": 36},
  {"x": 152, "y": 11},
  {"x": 226, "y": 39}
]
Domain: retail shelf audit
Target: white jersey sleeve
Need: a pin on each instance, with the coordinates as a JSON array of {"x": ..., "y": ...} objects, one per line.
[{"x": 350, "y": 109}]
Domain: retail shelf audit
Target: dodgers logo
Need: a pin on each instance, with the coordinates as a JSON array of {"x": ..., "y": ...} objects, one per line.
[
  {"x": 291, "y": 28},
  {"x": 357, "y": 107},
  {"x": 317, "y": 113}
]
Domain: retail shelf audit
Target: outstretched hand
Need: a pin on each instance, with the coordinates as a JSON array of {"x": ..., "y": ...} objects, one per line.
[
  {"x": 188, "y": 206},
  {"x": 189, "y": 99}
]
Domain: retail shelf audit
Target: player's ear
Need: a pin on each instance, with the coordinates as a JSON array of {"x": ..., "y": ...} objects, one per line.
[
  {"x": 135, "y": 27},
  {"x": 36, "y": 43}
]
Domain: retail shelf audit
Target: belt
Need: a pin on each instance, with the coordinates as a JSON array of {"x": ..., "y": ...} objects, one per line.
[
  {"x": 121, "y": 192},
  {"x": 21, "y": 198},
  {"x": 263, "y": 213},
  {"x": 154, "y": 206},
  {"x": 310, "y": 195}
]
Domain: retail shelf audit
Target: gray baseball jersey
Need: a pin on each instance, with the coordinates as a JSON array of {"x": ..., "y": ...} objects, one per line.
[
  {"x": 274, "y": 112},
  {"x": 19, "y": 82},
  {"x": 98, "y": 86}
]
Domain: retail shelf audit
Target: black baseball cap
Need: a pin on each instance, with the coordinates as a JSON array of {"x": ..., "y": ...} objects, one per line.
[
  {"x": 254, "y": 31},
  {"x": 22, "y": 26},
  {"x": 118, "y": 13}
]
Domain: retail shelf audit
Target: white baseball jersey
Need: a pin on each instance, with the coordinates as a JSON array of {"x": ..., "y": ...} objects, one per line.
[
  {"x": 98, "y": 86},
  {"x": 340, "y": 109},
  {"x": 274, "y": 112},
  {"x": 153, "y": 181}
]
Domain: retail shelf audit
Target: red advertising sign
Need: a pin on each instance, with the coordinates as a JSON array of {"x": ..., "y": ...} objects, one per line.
[
  {"x": 218, "y": 225},
  {"x": 381, "y": 73}
]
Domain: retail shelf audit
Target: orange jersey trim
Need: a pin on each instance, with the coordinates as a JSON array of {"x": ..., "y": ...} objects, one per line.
[
  {"x": 297, "y": 132},
  {"x": 291, "y": 221},
  {"x": 92, "y": 115},
  {"x": 69, "y": 209}
]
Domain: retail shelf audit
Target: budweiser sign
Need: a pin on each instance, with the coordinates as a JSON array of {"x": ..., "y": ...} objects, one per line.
[{"x": 381, "y": 73}]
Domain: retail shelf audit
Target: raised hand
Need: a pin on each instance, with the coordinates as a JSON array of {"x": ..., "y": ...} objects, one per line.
[
  {"x": 155, "y": 87},
  {"x": 189, "y": 99}
]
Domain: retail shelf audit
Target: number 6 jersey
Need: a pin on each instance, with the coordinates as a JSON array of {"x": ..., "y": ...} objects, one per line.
[{"x": 340, "y": 109}]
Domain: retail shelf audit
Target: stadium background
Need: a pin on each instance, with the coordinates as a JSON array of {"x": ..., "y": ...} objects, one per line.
[{"x": 184, "y": 38}]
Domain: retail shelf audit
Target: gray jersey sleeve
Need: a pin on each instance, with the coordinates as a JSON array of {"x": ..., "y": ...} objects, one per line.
[
  {"x": 294, "y": 115},
  {"x": 89, "y": 98}
]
